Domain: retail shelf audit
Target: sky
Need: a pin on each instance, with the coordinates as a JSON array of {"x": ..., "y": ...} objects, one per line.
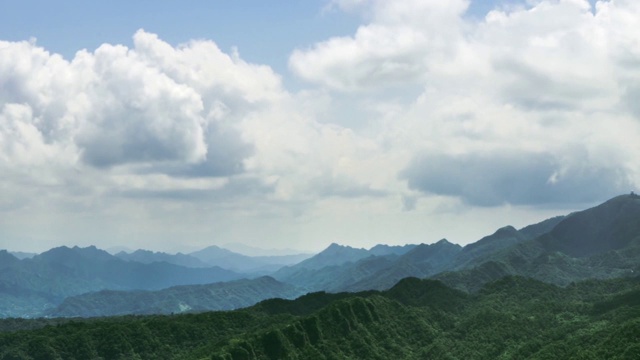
[{"x": 292, "y": 125}]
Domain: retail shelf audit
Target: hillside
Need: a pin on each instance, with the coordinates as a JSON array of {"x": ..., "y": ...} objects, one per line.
[
  {"x": 186, "y": 298},
  {"x": 148, "y": 257},
  {"x": 514, "y": 318},
  {"x": 31, "y": 286},
  {"x": 601, "y": 242},
  {"x": 338, "y": 268},
  {"x": 421, "y": 261}
]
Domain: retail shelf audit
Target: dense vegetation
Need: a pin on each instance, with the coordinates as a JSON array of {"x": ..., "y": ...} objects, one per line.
[{"x": 514, "y": 318}]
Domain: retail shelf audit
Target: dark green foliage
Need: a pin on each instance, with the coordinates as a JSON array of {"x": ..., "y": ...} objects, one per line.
[{"x": 514, "y": 318}]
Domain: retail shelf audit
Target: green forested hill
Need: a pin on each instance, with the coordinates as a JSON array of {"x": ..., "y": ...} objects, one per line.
[{"x": 514, "y": 318}]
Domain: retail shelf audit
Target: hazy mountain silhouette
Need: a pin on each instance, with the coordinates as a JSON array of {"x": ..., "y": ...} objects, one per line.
[
  {"x": 185, "y": 298},
  {"x": 29, "y": 286},
  {"x": 217, "y": 256}
]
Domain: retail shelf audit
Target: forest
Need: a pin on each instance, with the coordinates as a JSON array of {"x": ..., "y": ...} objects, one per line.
[{"x": 512, "y": 318}]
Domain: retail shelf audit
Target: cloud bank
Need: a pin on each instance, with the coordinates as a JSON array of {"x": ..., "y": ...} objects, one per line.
[{"x": 423, "y": 107}]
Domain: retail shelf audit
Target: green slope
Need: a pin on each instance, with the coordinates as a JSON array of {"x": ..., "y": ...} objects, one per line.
[{"x": 514, "y": 318}]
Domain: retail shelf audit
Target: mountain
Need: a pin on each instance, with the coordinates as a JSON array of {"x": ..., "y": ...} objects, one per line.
[
  {"x": 148, "y": 257},
  {"x": 23, "y": 255},
  {"x": 325, "y": 270},
  {"x": 610, "y": 226},
  {"x": 249, "y": 250},
  {"x": 331, "y": 256},
  {"x": 217, "y": 256},
  {"x": 30, "y": 286},
  {"x": 382, "y": 249},
  {"x": 342, "y": 268},
  {"x": 177, "y": 299},
  {"x": 513, "y": 318},
  {"x": 7, "y": 259},
  {"x": 541, "y": 228},
  {"x": 338, "y": 277},
  {"x": 422, "y": 261},
  {"x": 600, "y": 242},
  {"x": 503, "y": 238},
  {"x": 92, "y": 264}
]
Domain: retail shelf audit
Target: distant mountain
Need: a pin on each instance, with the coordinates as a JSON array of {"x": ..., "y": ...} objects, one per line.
[
  {"x": 422, "y": 261},
  {"x": 148, "y": 257},
  {"x": 601, "y": 242},
  {"x": 113, "y": 250},
  {"x": 22, "y": 255},
  {"x": 533, "y": 231},
  {"x": 7, "y": 259},
  {"x": 336, "y": 278},
  {"x": 249, "y": 250},
  {"x": 613, "y": 225},
  {"x": 217, "y": 256},
  {"x": 331, "y": 256},
  {"x": 323, "y": 271},
  {"x": 342, "y": 268},
  {"x": 473, "y": 253},
  {"x": 30, "y": 286},
  {"x": 177, "y": 299},
  {"x": 382, "y": 250}
]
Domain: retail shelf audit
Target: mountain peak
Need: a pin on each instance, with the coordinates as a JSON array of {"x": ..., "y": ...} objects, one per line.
[
  {"x": 507, "y": 230},
  {"x": 7, "y": 258},
  {"x": 442, "y": 241},
  {"x": 611, "y": 225},
  {"x": 336, "y": 246},
  {"x": 334, "y": 255},
  {"x": 65, "y": 254},
  {"x": 626, "y": 198}
]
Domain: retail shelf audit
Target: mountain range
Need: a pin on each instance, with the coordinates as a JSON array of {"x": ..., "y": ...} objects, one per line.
[
  {"x": 512, "y": 318},
  {"x": 601, "y": 242},
  {"x": 30, "y": 286},
  {"x": 178, "y": 299}
]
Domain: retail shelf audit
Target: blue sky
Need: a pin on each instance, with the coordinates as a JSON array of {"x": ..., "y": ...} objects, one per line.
[
  {"x": 263, "y": 31},
  {"x": 350, "y": 121}
]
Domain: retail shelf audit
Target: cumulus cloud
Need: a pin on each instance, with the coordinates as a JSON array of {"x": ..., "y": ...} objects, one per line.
[
  {"x": 153, "y": 106},
  {"x": 551, "y": 83},
  {"x": 421, "y": 107},
  {"x": 403, "y": 43},
  {"x": 171, "y": 122}
]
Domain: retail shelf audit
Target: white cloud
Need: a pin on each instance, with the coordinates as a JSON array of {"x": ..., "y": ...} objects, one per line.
[
  {"x": 403, "y": 43},
  {"x": 554, "y": 77},
  {"x": 419, "y": 117}
]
